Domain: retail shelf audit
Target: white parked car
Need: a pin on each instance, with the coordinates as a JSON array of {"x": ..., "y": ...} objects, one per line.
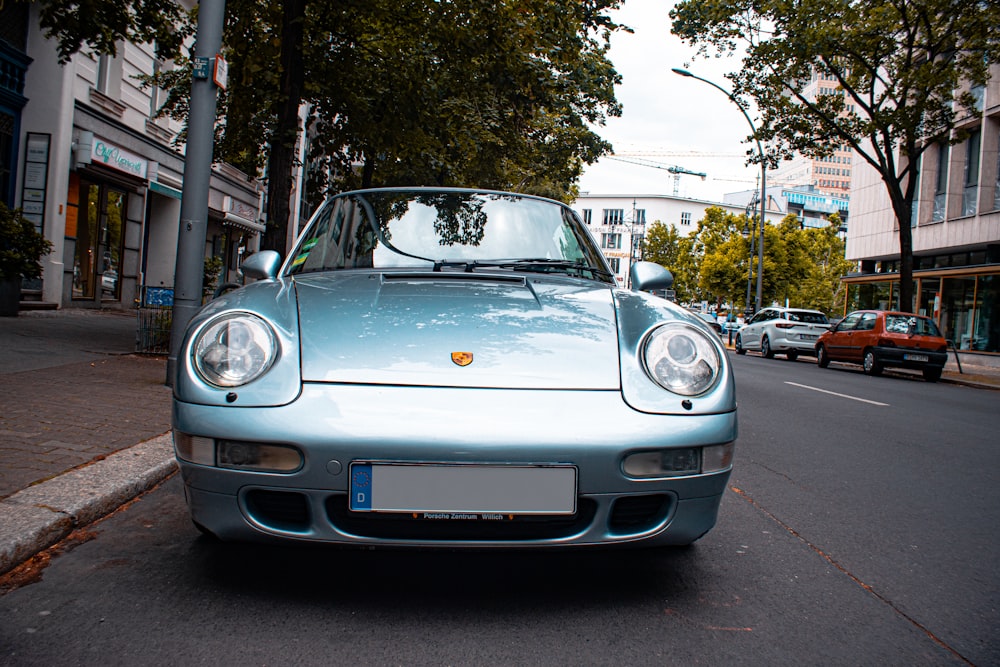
[{"x": 788, "y": 331}]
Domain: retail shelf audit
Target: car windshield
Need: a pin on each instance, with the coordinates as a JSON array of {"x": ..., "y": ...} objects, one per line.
[
  {"x": 806, "y": 317},
  {"x": 447, "y": 230},
  {"x": 911, "y": 324}
]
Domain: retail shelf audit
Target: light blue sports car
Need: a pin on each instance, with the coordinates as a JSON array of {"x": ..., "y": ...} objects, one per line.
[{"x": 453, "y": 368}]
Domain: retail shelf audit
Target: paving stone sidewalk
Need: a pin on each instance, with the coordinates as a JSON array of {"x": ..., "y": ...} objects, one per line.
[{"x": 75, "y": 404}]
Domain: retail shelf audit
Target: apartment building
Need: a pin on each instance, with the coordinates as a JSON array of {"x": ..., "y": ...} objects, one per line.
[
  {"x": 85, "y": 158},
  {"x": 829, "y": 175},
  {"x": 956, "y": 234}
]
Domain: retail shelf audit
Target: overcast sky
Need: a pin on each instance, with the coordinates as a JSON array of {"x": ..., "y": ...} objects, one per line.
[{"x": 670, "y": 119}]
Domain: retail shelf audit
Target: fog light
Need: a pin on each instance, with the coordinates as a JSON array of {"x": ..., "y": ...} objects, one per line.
[
  {"x": 259, "y": 457},
  {"x": 194, "y": 448},
  {"x": 717, "y": 457},
  {"x": 663, "y": 463}
]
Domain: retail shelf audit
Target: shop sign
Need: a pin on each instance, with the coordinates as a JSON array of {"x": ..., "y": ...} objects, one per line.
[
  {"x": 118, "y": 158},
  {"x": 240, "y": 209}
]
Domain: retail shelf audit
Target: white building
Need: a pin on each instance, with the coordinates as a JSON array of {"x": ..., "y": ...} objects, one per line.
[
  {"x": 87, "y": 162},
  {"x": 619, "y": 222}
]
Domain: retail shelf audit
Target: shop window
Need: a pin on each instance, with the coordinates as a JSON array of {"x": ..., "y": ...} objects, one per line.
[
  {"x": 928, "y": 298},
  {"x": 99, "y": 242},
  {"x": 957, "y": 301},
  {"x": 986, "y": 321},
  {"x": 970, "y": 192}
]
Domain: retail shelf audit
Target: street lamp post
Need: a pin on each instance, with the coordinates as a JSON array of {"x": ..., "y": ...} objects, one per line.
[{"x": 763, "y": 178}]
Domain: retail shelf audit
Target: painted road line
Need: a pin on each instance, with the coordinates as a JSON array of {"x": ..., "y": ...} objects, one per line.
[{"x": 833, "y": 393}]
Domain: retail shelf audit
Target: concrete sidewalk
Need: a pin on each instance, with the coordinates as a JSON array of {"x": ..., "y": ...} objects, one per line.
[
  {"x": 84, "y": 423},
  {"x": 74, "y": 402}
]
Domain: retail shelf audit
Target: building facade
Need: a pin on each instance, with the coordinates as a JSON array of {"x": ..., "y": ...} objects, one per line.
[
  {"x": 829, "y": 175},
  {"x": 956, "y": 234},
  {"x": 86, "y": 159}
]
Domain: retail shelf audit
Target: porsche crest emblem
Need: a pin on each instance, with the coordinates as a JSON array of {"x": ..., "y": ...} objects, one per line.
[{"x": 461, "y": 358}]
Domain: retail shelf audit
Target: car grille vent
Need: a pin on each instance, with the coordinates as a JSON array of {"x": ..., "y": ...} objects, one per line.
[
  {"x": 403, "y": 527},
  {"x": 282, "y": 510},
  {"x": 638, "y": 513}
]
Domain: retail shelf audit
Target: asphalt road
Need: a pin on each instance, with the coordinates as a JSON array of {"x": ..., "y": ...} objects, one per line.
[{"x": 859, "y": 530}]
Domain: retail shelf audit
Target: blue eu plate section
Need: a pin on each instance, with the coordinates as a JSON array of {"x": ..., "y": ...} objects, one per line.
[{"x": 361, "y": 487}]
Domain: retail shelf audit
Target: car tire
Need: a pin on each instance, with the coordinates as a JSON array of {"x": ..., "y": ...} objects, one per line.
[
  {"x": 792, "y": 355},
  {"x": 932, "y": 374},
  {"x": 765, "y": 348},
  {"x": 822, "y": 358},
  {"x": 739, "y": 345},
  {"x": 872, "y": 365}
]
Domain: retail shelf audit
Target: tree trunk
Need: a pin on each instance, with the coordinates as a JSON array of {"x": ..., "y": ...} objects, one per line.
[{"x": 281, "y": 159}]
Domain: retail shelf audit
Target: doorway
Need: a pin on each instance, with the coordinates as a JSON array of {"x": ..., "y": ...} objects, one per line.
[{"x": 99, "y": 242}]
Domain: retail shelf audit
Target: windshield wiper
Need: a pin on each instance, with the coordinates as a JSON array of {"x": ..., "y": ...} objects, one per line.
[{"x": 540, "y": 264}]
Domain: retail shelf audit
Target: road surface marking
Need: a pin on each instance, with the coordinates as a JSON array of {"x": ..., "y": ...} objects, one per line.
[{"x": 833, "y": 393}]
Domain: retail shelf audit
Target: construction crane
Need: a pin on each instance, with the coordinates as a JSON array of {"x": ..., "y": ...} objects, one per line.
[{"x": 675, "y": 170}]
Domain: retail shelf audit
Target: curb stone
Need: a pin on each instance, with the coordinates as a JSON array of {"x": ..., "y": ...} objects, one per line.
[{"x": 39, "y": 516}]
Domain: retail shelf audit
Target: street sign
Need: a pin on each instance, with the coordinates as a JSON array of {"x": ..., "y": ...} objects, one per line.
[{"x": 199, "y": 68}]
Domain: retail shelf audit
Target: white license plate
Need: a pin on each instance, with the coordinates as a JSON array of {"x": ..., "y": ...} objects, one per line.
[
  {"x": 809, "y": 336},
  {"x": 460, "y": 488},
  {"x": 915, "y": 357}
]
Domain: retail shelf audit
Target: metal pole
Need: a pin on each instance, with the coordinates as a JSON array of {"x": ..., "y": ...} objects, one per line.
[
  {"x": 763, "y": 177},
  {"x": 763, "y": 210},
  {"x": 190, "y": 267}
]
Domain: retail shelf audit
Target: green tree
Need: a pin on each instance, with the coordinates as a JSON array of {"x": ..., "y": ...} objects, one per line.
[
  {"x": 665, "y": 246},
  {"x": 722, "y": 254},
  {"x": 903, "y": 69}
]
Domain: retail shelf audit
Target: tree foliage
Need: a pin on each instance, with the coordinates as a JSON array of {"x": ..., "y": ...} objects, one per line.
[
  {"x": 502, "y": 94},
  {"x": 902, "y": 69},
  {"x": 802, "y": 266},
  {"x": 100, "y": 25}
]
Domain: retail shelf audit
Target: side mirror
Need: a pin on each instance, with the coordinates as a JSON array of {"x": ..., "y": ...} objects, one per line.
[
  {"x": 648, "y": 276},
  {"x": 263, "y": 265}
]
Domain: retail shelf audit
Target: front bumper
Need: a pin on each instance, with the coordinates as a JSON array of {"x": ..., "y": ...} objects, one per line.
[{"x": 333, "y": 425}]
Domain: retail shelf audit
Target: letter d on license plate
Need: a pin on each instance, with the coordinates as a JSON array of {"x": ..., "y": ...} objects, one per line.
[{"x": 508, "y": 489}]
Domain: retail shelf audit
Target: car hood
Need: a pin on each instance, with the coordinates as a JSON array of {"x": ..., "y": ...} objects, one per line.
[{"x": 405, "y": 329}]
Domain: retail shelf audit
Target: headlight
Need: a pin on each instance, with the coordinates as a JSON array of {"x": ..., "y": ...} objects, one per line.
[
  {"x": 681, "y": 359},
  {"x": 233, "y": 350}
]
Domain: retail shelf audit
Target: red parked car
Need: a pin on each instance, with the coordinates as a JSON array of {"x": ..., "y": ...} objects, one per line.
[{"x": 877, "y": 339}]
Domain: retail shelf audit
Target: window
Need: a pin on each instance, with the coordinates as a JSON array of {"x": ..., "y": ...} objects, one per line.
[
  {"x": 996, "y": 188},
  {"x": 915, "y": 213},
  {"x": 970, "y": 194},
  {"x": 640, "y": 216},
  {"x": 614, "y": 216},
  {"x": 587, "y": 216},
  {"x": 941, "y": 185},
  {"x": 109, "y": 76},
  {"x": 616, "y": 264},
  {"x": 685, "y": 218},
  {"x": 612, "y": 241},
  {"x": 157, "y": 96}
]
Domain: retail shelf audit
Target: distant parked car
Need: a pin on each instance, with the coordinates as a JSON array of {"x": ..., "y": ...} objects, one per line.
[
  {"x": 711, "y": 320},
  {"x": 788, "y": 331},
  {"x": 877, "y": 339}
]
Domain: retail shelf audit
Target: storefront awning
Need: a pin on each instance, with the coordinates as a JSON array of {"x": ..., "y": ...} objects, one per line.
[{"x": 230, "y": 220}]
